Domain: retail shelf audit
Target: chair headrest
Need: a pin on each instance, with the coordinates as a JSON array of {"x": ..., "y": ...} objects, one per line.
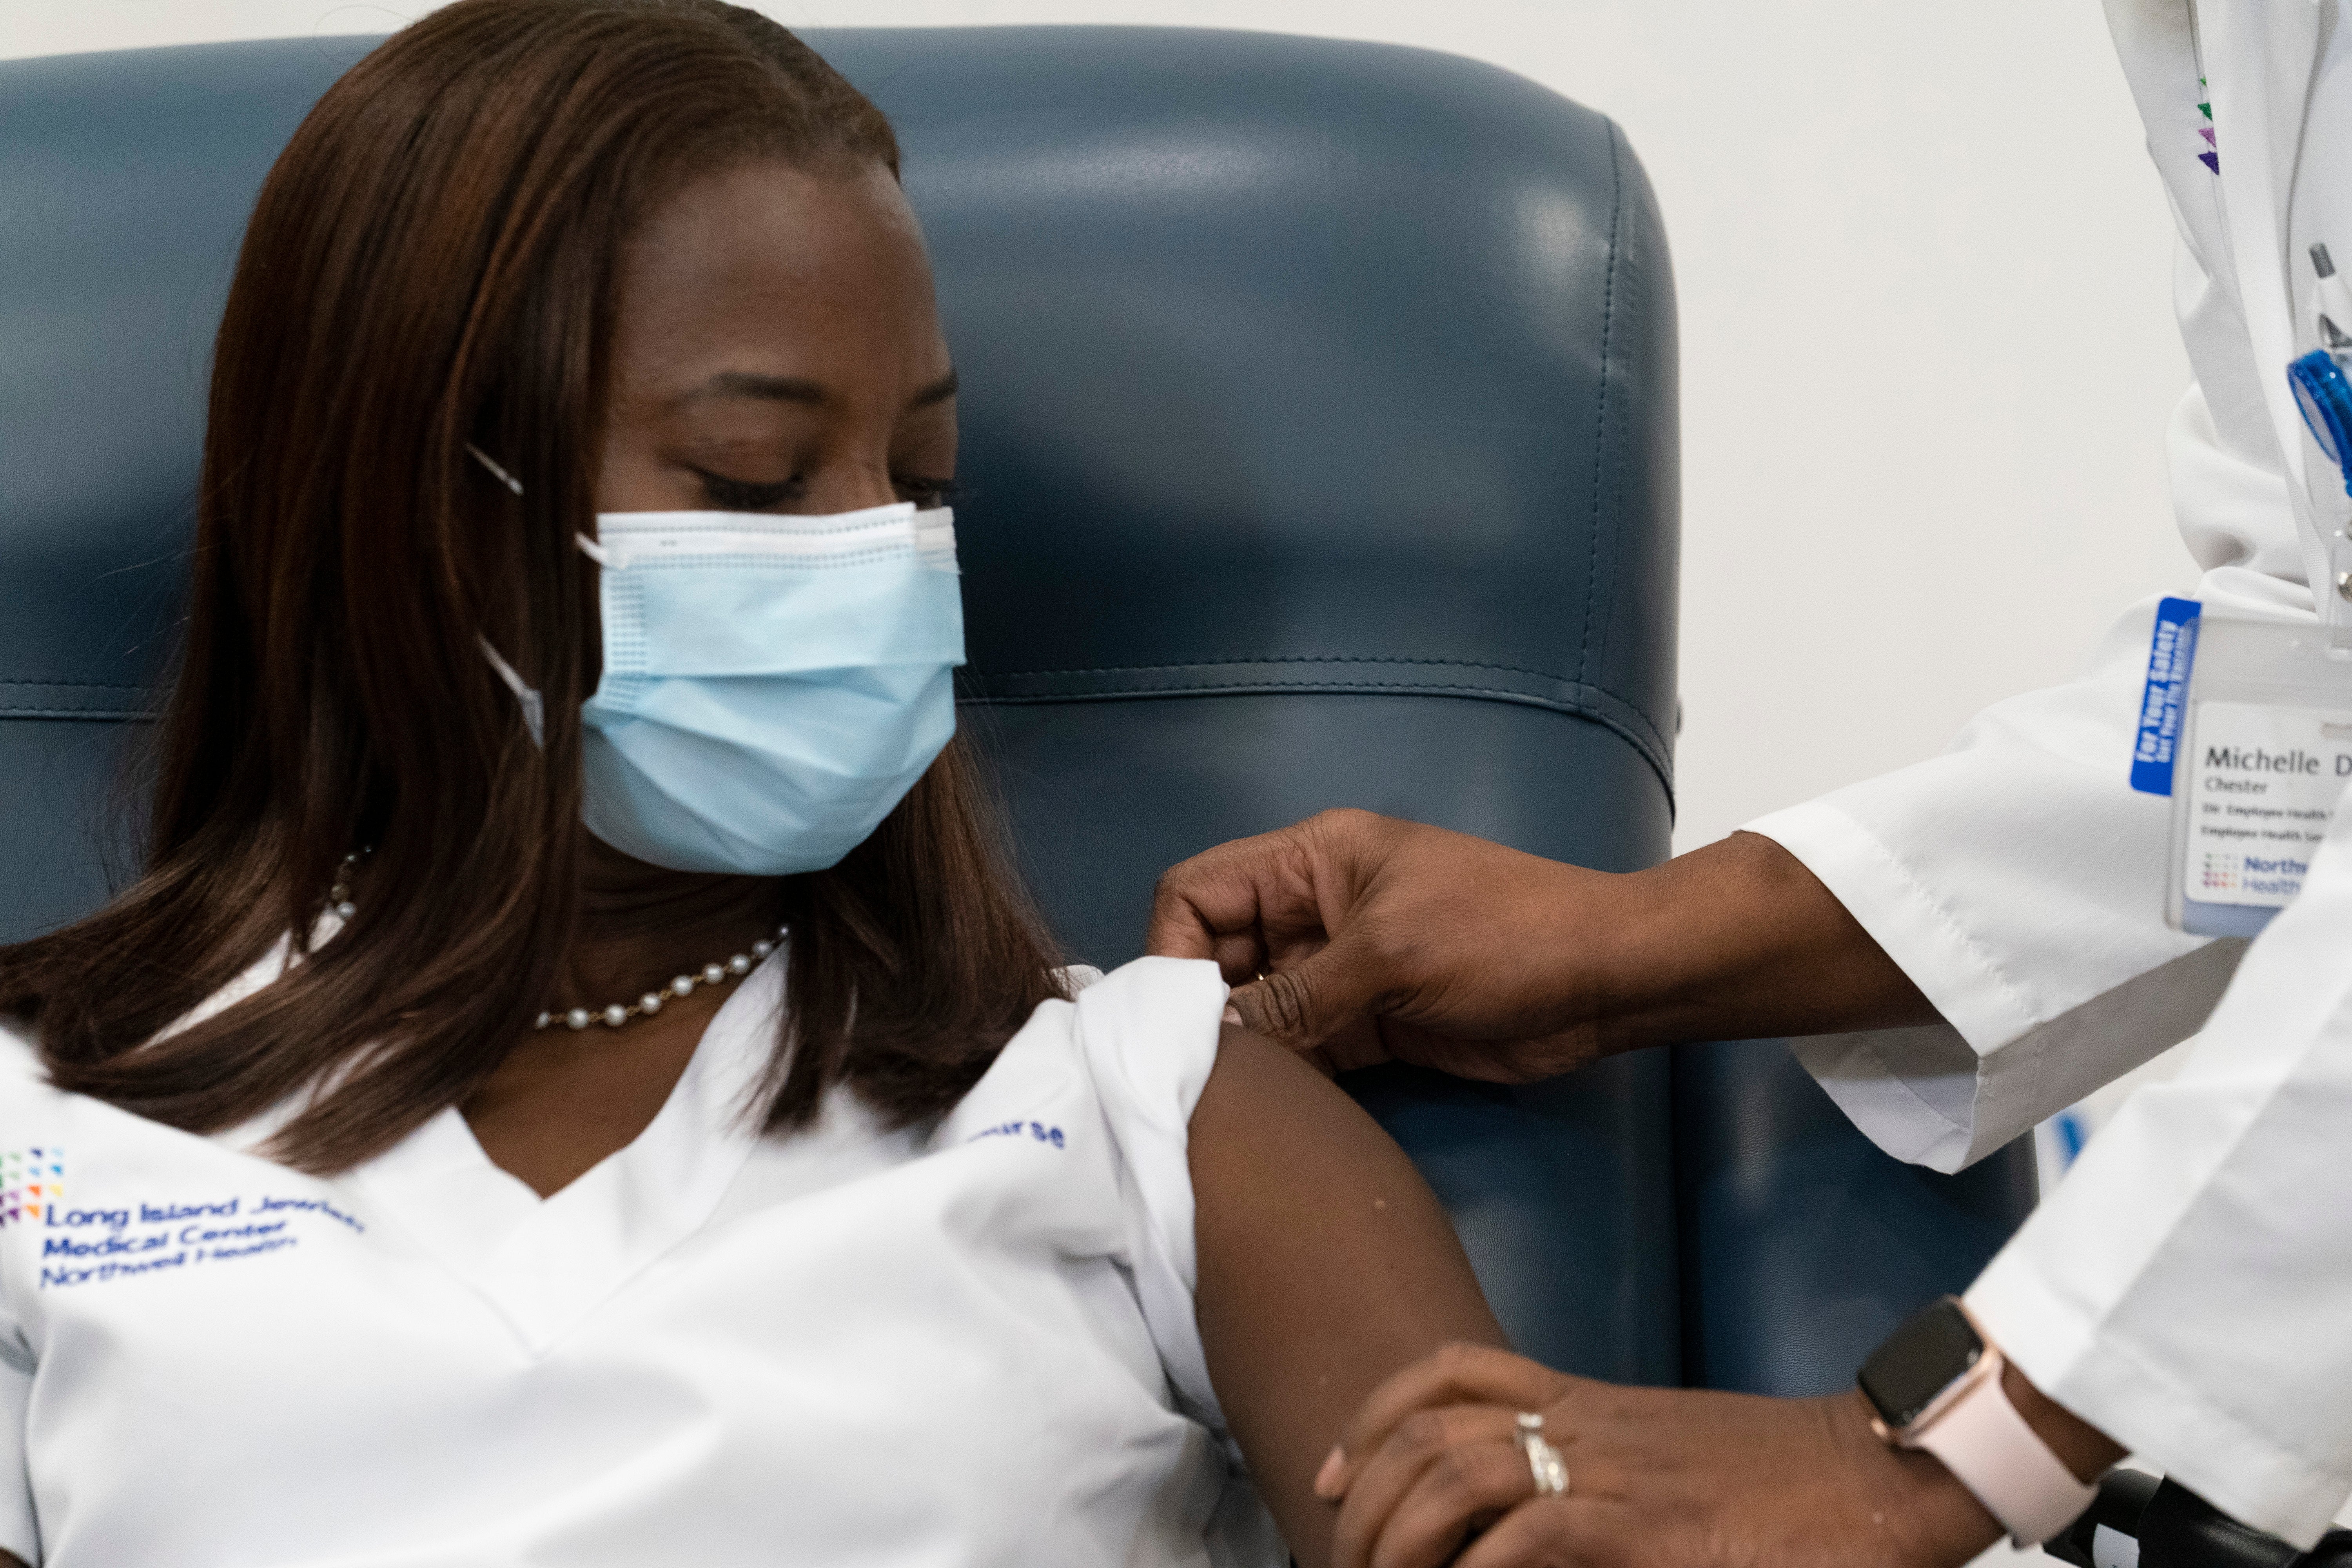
[
  {"x": 1290, "y": 365},
  {"x": 1294, "y": 365}
]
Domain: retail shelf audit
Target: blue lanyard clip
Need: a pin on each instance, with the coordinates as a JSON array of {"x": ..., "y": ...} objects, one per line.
[{"x": 2325, "y": 395}]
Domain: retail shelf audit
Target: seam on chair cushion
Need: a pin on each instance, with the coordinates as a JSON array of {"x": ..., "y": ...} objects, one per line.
[
  {"x": 980, "y": 684},
  {"x": 1289, "y": 658},
  {"x": 1622, "y": 725},
  {"x": 99, "y": 700},
  {"x": 90, "y": 715},
  {"x": 1601, "y": 412},
  {"x": 90, "y": 685}
]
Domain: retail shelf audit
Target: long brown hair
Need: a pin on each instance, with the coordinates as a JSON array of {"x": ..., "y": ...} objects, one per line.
[{"x": 432, "y": 262}]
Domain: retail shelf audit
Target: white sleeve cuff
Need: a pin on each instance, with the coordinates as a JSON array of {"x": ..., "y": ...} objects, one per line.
[
  {"x": 2171, "y": 1426},
  {"x": 1149, "y": 1031},
  {"x": 1907, "y": 919},
  {"x": 2184, "y": 1290},
  {"x": 2019, "y": 882},
  {"x": 2008, "y": 1052}
]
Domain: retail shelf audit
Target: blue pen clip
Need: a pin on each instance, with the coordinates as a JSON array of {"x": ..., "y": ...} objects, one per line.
[{"x": 2325, "y": 397}]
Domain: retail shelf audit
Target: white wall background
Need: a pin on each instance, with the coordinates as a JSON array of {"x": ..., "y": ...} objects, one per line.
[{"x": 1928, "y": 349}]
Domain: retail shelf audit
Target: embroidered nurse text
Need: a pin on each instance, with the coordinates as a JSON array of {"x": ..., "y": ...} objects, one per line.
[{"x": 1036, "y": 1130}]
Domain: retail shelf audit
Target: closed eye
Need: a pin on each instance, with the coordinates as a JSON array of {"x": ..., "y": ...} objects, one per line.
[
  {"x": 927, "y": 493},
  {"x": 751, "y": 495},
  {"x": 747, "y": 495}
]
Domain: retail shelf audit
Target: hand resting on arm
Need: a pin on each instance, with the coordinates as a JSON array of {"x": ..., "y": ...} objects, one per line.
[
  {"x": 1659, "y": 1477},
  {"x": 1326, "y": 1265}
]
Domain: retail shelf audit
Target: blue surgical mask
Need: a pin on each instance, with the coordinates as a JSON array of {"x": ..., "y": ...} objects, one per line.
[{"x": 773, "y": 686}]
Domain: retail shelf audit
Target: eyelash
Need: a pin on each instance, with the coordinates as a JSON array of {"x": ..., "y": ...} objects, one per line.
[
  {"x": 929, "y": 493},
  {"x": 743, "y": 495}
]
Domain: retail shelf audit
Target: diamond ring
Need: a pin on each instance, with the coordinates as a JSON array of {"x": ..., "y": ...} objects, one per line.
[{"x": 1544, "y": 1463}]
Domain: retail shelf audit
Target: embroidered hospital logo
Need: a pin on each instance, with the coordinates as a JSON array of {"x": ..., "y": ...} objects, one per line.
[
  {"x": 2212, "y": 156},
  {"x": 31, "y": 1180},
  {"x": 126, "y": 1240}
]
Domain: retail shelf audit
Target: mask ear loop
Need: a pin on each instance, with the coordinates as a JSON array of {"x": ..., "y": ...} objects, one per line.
[
  {"x": 534, "y": 706},
  {"x": 503, "y": 477}
]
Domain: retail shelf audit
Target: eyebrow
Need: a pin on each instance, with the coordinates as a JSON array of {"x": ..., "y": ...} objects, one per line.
[
  {"x": 938, "y": 391},
  {"x": 767, "y": 388},
  {"x": 793, "y": 389}
]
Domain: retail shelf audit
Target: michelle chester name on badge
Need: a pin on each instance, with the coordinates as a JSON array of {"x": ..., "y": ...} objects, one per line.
[
  {"x": 2247, "y": 725},
  {"x": 82, "y": 1243}
]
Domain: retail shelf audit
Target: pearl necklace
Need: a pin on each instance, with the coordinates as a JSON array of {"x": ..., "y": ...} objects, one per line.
[{"x": 615, "y": 1014}]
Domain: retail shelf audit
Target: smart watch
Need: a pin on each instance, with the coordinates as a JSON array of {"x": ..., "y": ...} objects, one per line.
[{"x": 1935, "y": 1385}]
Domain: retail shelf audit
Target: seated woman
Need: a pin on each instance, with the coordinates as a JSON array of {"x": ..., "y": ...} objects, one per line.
[{"x": 575, "y": 1084}]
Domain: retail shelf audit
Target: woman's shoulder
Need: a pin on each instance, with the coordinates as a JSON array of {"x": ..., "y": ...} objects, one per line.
[
  {"x": 1137, "y": 1042},
  {"x": 30, "y": 1106},
  {"x": 1149, "y": 1030},
  {"x": 20, "y": 1055},
  {"x": 1146, "y": 1033}
]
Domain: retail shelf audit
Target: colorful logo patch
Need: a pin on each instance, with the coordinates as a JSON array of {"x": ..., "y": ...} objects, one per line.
[
  {"x": 30, "y": 1180},
  {"x": 2212, "y": 156}
]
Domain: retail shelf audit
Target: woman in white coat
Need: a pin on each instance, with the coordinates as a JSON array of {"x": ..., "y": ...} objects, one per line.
[
  {"x": 440, "y": 1157},
  {"x": 1961, "y": 949}
]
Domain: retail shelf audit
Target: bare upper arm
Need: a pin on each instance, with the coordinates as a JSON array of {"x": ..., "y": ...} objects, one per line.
[{"x": 1326, "y": 1264}]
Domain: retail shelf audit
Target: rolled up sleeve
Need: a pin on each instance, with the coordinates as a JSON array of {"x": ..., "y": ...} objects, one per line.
[{"x": 2020, "y": 882}]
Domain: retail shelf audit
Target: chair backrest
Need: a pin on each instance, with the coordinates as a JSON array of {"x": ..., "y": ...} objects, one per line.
[{"x": 1319, "y": 427}]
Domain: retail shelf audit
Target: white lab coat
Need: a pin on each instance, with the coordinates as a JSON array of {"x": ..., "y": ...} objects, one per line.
[
  {"x": 972, "y": 1343},
  {"x": 2188, "y": 1290}
]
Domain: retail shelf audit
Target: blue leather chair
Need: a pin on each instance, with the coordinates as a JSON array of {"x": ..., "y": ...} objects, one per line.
[{"x": 1321, "y": 437}]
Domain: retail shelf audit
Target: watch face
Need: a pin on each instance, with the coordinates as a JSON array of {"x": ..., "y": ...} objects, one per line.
[{"x": 1918, "y": 1362}]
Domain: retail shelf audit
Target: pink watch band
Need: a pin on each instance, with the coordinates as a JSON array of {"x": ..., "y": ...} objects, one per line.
[{"x": 1987, "y": 1446}]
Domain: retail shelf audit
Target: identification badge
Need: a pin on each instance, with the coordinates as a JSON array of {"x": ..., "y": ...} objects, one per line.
[
  {"x": 2263, "y": 782},
  {"x": 2247, "y": 725}
]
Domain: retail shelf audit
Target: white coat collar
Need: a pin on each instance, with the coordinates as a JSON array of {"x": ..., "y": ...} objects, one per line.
[
  {"x": 545, "y": 1265},
  {"x": 2259, "y": 56},
  {"x": 2236, "y": 448}
]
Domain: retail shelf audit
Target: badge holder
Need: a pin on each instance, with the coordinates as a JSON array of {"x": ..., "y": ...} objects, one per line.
[{"x": 2247, "y": 725}]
